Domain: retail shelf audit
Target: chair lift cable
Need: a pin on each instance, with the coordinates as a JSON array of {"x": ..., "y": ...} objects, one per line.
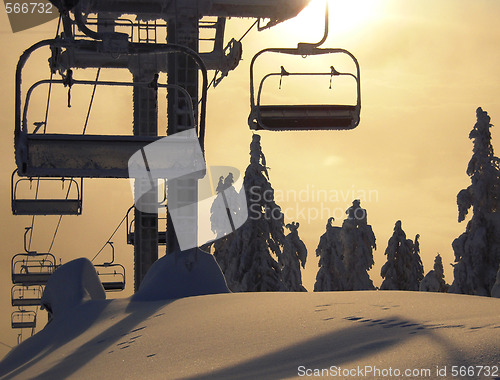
[
  {"x": 44, "y": 131},
  {"x": 83, "y": 132},
  {"x": 91, "y": 101}
]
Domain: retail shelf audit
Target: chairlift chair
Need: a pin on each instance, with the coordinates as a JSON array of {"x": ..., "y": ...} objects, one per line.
[
  {"x": 54, "y": 206},
  {"x": 23, "y": 319},
  {"x": 31, "y": 267},
  {"x": 26, "y": 295},
  {"x": 299, "y": 117},
  {"x": 130, "y": 224},
  {"x": 83, "y": 155},
  {"x": 112, "y": 275}
]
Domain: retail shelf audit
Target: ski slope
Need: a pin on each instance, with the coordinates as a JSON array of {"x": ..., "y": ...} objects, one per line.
[{"x": 260, "y": 335}]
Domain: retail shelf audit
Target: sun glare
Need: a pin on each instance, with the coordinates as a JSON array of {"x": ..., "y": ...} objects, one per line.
[{"x": 347, "y": 17}]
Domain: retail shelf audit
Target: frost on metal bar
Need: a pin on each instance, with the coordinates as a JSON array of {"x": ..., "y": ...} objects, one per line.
[{"x": 272, "y": 9}]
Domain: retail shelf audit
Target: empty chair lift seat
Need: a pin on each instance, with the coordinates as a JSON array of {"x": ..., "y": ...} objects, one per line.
[
  {"x": 32, "y": 269},
  {"x": 307, "y": 117},
  {"x": 23, "y": 319}
]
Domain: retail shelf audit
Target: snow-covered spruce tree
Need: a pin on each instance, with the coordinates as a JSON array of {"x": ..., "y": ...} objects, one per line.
[
  {"x": 403, "y": 269},
  {"x": 434, "y": 280},
  {"x": 477, "y": 250},
  {"x": 249, "y": 255},
  {"x": 331, "y": 275},
  {"x": 357, "y": 241},
  {"x": 495, "y": 291},
  {"x": 294, "y": 255},
  {"x": 417, "y": 268},
  {"x": 220, "y": 225}
]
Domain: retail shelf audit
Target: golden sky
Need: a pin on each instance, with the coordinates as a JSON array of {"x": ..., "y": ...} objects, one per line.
[{"x": 425, "y": 67}]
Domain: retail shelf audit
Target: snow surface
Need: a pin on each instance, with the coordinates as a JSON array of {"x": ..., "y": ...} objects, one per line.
[
  {"x": 261, "y": 335},
  {"x": 71, "y": 284},
  {"x": 190, "y": 273}
]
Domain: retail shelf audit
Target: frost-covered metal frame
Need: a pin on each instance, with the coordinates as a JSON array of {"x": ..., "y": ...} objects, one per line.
[{"x": 100, "y": 155}]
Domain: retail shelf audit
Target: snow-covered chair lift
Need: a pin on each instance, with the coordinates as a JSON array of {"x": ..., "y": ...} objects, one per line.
[
  {"x": 112, "y": 275},
  {"x": 54, "y": 206}
]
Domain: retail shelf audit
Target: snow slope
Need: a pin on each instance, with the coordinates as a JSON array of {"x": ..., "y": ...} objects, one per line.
[{"x": 263, "y": 335}]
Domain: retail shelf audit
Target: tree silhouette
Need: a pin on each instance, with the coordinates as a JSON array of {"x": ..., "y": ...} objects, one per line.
[
  {"x": 294, "y": 256},
  {"x": 434, "y": 280},
  {"x": 249, "y": 256},
  {"x": 403, "y": 269},
  {"x": 477, "y": 250}
]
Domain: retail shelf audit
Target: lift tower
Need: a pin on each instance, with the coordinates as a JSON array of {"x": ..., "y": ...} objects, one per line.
[{"x": 105, "y": 45}]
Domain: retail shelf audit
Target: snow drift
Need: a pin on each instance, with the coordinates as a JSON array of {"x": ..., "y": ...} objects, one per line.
[
  {"x": 263, "y": 335},
  {"x": 182, "y": 274},
  {"x": 70, "y": 285}
]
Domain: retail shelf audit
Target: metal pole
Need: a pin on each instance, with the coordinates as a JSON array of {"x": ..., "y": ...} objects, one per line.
[
  {"x": 182, "y": 71},
  {"x": 145, "y": 124}
]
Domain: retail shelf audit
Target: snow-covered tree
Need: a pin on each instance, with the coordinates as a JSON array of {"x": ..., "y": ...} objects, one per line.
[
  {"x": 249, "y": 255},
  {"x": 495, "y": 291},
  {"x": 434, "y": 280},
  {"x": 417, "y": 268},
  {"x": 294, "y": 255},
  {"x": 477, "y": 250},
  {"x": 221, "y": 211},
  {"x": 358, "y": 242},
  {"x": 331, "y": 275},
  {"x": 403, "y": 269}
]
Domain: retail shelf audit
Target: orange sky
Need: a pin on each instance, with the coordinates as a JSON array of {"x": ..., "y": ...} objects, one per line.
[{"x": 425, "y": 67}]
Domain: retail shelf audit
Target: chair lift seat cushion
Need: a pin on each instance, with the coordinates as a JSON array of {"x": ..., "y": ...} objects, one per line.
[{"x": 307, "y": 117}]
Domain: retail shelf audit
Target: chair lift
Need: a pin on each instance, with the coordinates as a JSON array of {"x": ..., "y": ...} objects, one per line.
[
  {"x": 84, "y": 155},
  {"x": 23, "y": 319},
  {"x": 279, "y": 117},
  {"x": 26, "y": 295},
  {"x": 130, "y": 224},
  {"x": 54, "y": 206},
  {"x": 112, "y": 275},
  {"x": 31, "y": 267}
]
